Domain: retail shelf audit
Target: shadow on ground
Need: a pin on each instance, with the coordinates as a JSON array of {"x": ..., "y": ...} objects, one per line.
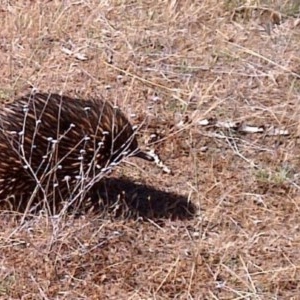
[
  {"x": 114, "y": 198},
  {"x": 124, "y": 198}
]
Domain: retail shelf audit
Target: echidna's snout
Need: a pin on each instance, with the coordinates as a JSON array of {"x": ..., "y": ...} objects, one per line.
[
  {"x": 153, "y": 158},
  {"x": 144, "y": 155}
]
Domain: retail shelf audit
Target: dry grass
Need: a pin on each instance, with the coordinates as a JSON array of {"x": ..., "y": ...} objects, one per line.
[{"x": 162, "y": 62}]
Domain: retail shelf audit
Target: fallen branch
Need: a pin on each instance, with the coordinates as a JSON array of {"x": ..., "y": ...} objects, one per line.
[{"x": 244, "y": 128}]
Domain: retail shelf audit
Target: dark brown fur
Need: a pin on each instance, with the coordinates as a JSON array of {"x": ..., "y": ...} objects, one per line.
[{"x": 60, "y": 144}]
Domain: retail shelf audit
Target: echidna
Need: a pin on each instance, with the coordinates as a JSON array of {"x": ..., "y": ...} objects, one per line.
[{"x": 57, "y": 146}]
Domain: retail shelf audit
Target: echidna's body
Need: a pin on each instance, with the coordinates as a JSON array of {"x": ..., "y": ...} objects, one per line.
[{"x": 55, "y": 145}]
